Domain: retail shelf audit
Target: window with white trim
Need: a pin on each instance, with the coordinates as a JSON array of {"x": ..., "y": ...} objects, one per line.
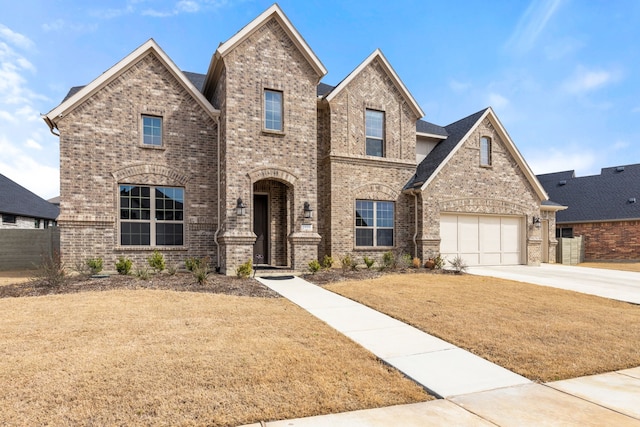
[
  {"x": 374, "y": 124},
  {"x": 273, "y": 110},
  {"x": 151, "y": 216},
  {"x": 374, "y": 223},
  {"x": 485, "y": 151},
  {"x": 152, "y": 131}
]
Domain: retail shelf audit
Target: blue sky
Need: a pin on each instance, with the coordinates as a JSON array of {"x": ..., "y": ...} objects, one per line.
[{"x": 562, "y": 75}]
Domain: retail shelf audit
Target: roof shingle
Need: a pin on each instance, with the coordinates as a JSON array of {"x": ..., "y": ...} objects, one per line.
[{"x": 17, "y": 200}]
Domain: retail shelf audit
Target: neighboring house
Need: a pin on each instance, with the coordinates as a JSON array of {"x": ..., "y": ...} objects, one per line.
[
  {"x": 604, "y": 209},
  {"x": 258, "y": 160},
  {"x": 21, "y": 209}
]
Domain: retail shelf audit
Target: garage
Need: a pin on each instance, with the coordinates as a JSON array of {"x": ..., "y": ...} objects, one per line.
[{"x": 481, "y": 240}]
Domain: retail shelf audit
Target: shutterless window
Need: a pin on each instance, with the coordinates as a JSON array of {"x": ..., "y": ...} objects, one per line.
[
  {"x": 152, "y": 131},
  {"x": 8, "y": 219},
  {"x": 273, "y": 110},
  {"x": 374, "y": 133},
  {"x": 374, "y": 223},
  {"x": 151, "y": 216},
  {"x": 485, "y": 151}
]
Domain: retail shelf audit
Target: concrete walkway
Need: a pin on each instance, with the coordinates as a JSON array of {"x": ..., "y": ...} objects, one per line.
[
  {"x": 477, "y": 392},
  {"x": 613, "y": 284}
]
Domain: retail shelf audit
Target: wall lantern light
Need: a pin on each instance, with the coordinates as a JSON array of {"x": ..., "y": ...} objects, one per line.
[
  {"x": 308, "y": 212},
  {"x": 241, "y": 208},
  {"x": 536, "y": 221}
]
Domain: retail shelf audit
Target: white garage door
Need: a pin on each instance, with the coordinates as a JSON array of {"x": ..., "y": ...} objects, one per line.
[{"x": 481, "y": 240}]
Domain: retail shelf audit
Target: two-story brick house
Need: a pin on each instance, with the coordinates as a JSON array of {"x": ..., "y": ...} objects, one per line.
[{"x": 258, "y": 160}]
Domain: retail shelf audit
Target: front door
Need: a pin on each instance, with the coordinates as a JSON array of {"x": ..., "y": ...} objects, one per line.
[{"x": 261, "y": 228}]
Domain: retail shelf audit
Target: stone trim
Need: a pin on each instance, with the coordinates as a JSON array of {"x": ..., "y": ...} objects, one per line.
[
  {"x": 278, "y": 174},
  {"x": 376, "y": 192},
  {"x": 368, "y": 161},
  {"x": 478, "y": 205},
  {"x": 151, "y": 169}
]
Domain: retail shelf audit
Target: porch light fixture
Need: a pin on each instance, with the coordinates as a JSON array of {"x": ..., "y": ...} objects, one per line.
[
  {"x": 308, "y": 212},
  {"x": 536, "y": 221},
  {"x": 241, "y": 208}
]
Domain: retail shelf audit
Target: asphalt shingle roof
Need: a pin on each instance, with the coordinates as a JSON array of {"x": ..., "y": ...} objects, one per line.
[
  {"x": 455, "y": 131},
  {"x": 323, "y": 89},
  {"x": 597, "y": 197},
  {"x": 17, "y": 200},
  {"x": 423, "y": 126}
]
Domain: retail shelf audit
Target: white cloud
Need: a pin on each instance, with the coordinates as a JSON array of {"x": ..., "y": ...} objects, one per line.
[
  {"x": 620, "y": 145},
  {"x": 33, "y": 144},
  {"x": 6, "y": 116},
  {"x": 14, "y": 38},
  {"x": 458, "y": 86},
  {"x": 584, "y": 80},
  {"x": 531, "y": 24},
  {"x": 582, "y": 160},
  {"x": 497, "y": 101},
  {"x": 188, "y": 6},
  {"x": 62, "y": 25}
]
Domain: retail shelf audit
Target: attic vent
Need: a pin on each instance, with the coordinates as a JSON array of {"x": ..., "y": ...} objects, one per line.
[
  {"x": 632, "y": 200},
  {"x": 563, "y": 182},
  {"x": 620, "y": 169}
]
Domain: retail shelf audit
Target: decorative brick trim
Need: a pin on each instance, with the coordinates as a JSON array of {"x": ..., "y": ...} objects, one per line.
[
  {"x": 278, "y": 174},
  {"x": 483, "y": 205},
  {"x": 376, "y": 192},
  {"x": 151, "y": 169},
  {"x": 370, "y": 161}
]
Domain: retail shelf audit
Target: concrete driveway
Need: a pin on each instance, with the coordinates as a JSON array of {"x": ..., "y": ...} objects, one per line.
[{"x": 613, "y": 284}]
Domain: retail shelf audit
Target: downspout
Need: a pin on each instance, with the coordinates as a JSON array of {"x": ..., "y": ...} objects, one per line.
[
  {"x": 51, "y": 125},
  {"x": 415, "y": 224},
  {"x": 215, "y": 235}
]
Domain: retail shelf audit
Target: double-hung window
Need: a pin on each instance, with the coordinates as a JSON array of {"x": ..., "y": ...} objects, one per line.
[
  {"x": 485, "y": 151},
  {"x": 151, "y": 216},
  {"x": 152, "y": 131},
  {"x": 374, "y": 223},
  {"x": 273, "y": 110},
  {"x": 374, "y": 124}
]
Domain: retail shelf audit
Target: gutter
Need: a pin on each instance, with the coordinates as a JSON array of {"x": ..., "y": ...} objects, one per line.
[{"x": 49, "y": 123}]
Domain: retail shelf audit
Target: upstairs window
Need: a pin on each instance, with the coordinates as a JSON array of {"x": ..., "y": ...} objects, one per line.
[
  {"x": 273, "y": 110},
  {"x": 374, "y": 133},
  {"x": 485, "y": 151},
  {"x": 151, "y": 216},
  {"x": 152, "y": 131},
  {"x": 374, "y": 223}
]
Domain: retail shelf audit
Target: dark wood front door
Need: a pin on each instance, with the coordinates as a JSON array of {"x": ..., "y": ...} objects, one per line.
[{"x": 261, "y": 228}]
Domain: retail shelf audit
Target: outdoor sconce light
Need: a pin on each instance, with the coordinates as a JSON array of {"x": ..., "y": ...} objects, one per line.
[
  {"x": 241, "y": 209},
  {"x": 308, "y": 212},
  {"x": 536, "y": 221}
]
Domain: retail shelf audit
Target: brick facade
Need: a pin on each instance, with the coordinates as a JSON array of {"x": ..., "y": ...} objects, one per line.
[{"x": 609, "y": 240}]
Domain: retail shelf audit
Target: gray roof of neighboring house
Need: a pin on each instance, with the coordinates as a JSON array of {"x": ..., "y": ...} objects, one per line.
[
  {"x": 602, "y": 197},
  {"x": 423, "y": 126},
  {"x": 455, "y": 131},
  {"x": 17, "y": 200},
  {"x": 323, "y": 89}
]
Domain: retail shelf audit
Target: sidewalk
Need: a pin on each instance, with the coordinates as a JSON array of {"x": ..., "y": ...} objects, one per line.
[{"x": 476, "y": 391}]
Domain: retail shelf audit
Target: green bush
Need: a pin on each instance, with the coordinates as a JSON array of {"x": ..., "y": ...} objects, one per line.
[
  {"x": 389, "y": 261},
  {"x": 348, "y": 263},
  {"x": 156, "y": 261},
  {"x": 244, "y": 270},
  {"x": 123, "y": 265},
  {"x": 94, "y": 264},
  {"x": 439, "y": 262},
  {"x": 327, "y": 262},
  {"x": 172, "y": 269},
  {"x": 368, "y": 261},
  {"x": 314, "y": 266},
  {"x": 143, "y": 273},
  {"x": 193, "y": 263},
  {"x": 200, "y": 271},
  {"x": 405, "y": 260}
]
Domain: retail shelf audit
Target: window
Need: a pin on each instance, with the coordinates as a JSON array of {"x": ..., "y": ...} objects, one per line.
[
  {"x": 375, "y": 133},
  {"x": 564, "y": 232},
  {"x": 152, "y": 131},
  {"x": 273, "y": 110},
  {"x": 374, "y": 223},
  {"x": 8, "y": 219},
  {"x": 36, "y": 223},
  {"x": 485, "y": 151},
  {"x": 151, "y": 216}
]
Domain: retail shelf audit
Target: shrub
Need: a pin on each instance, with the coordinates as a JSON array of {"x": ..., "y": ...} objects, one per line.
[
  {"x": 416, "y": 263},
  {"x": 51, "y": 270},
  {"x": 389, "y": 261},
  {"x": 368, "y": 261},
  {"x": 123, "y": 265},
  {"x": 156, "y": 261},
  {"x": 438, "y": 262},
  {"x": 94, "y": 264},
  {"x": 348, "y": 263},
  {"x": 143, "y": 273},
  {"x": 314, "y": 266},
  {"x": 404, "y": 260},
  {"x": 327, "y": 262},
  {"x": 172, "y": 269},
  {"x": 193, "y": 263},
  {"x": 458, "y": 264},
  {"x": 200, "y": 271},
  {"x": 244, "y": 270}
]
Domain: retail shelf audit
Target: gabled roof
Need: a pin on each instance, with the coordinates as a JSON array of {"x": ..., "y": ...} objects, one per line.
[
  {"x": 273, "y": 12},
  {"x": 424, "y": 128},
  {"x": 459, "y": 132},
  {"x": 377, "y": 54},
  {"x": 603, "y": 197},
  {"x": 79, "y": 94},
  {"x": 323, "y": 89},
  {"x": 17, "y": 200}
]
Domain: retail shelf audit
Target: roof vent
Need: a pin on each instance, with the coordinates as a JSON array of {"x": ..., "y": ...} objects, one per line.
[
  {"x": 632, "y": 200},
  {"x": 620, "y": 169},
  {"x": 563, "y": 182}
]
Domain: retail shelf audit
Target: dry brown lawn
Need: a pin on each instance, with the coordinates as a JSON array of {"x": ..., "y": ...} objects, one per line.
[
  {"x": 624, "y": 266},
  {"x": 151, "y": 357},
  {"x": 11, "y": 277},
  {"x": 542, "y": 333}
]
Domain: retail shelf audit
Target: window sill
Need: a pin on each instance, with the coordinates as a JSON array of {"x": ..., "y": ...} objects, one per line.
[
  {"x": 269, "y": 132},
  {"x": 487, "y": 166},
  {"x": 150, "y": 248},
  {"x": 152, "y": 147},
  {"x": 374, "y": 248}
]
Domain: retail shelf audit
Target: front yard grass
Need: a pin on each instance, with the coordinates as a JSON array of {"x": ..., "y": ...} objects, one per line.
[
  {"x": 624, "y": 266},
  {"x": 160, "y": 357},
  {"x": 542, "y": 333}
]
